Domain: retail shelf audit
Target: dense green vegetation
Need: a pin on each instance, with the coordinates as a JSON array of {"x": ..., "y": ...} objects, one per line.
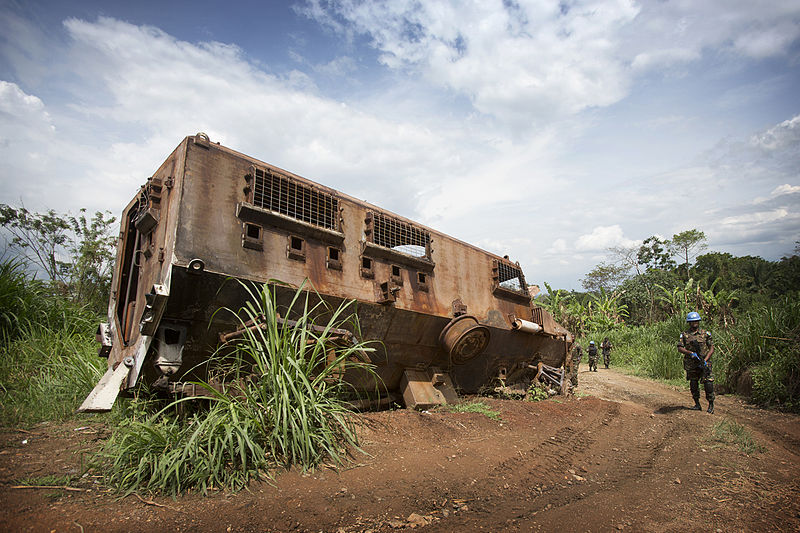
[
  {"x": 283, "y": 403},
  {"x": 751, "y": 306},
  {"x": 48, "y": 355},
  {"x": 54, "y": 280}
]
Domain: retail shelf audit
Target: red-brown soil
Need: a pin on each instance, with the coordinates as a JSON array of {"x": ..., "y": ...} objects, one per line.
[{"x": 625, "y": 455}]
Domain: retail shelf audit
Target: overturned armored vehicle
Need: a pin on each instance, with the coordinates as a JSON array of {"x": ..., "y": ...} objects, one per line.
[{"x": 448, "y": 315}]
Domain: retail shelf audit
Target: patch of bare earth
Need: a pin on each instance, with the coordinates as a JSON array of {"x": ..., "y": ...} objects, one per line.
[{"x": 624, "y": 455}]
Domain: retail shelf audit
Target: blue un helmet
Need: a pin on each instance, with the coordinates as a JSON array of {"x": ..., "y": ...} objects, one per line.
[
  {"x": 591, "y": 342},
  {"x": 694, "y": 316}
]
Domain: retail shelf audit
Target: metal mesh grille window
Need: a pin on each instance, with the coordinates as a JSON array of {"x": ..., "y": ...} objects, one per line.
[
  {"x": 285, "y": 196},
  {"x": 400, "y": 236},
  {"x": 510, "y": 277}
]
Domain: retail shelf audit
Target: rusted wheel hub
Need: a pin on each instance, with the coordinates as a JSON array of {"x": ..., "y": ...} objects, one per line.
[{"x": 464, "y": 338}]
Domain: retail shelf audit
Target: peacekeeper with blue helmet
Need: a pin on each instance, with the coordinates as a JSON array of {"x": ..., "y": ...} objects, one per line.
[
  {"x": 697, "y": 348},
  {"x": 592, "y": 357}
]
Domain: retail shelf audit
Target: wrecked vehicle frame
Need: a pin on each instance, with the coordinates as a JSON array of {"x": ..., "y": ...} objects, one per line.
[{"x": 449, "y": 316}]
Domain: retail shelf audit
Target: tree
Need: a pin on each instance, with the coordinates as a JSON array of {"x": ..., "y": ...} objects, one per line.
[
  {"x": 627, "y": 256},
  {"x": 605, "y": 277},
  {"x": 639, "y": 295},
  {"x": 687, "y": 244},
  {"x": 75, "y": 252},
  {"x": 39, "y": 237},
  {"x": 654, "y": 254},
  {"x": 92, "y": 250}
]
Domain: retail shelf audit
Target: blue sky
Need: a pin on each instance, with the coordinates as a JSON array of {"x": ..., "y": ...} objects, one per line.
[{"x": 548, "y": 131}]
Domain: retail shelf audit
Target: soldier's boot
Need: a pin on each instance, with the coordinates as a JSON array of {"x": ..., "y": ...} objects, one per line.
[
  {"x": 709, "y": 389},
  {"x": 694, "y": 387}
]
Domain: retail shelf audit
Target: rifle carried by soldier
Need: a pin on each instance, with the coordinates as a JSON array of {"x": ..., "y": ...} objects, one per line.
[{"x": 695, "y": 346}]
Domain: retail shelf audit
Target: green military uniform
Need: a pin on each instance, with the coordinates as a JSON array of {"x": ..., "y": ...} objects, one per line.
[
  {"x": 606, "y": 346},
  {"x": 577, "y": 355},
  {"x": 700, "y": 342},
  {"x": 592, "y": 357}
]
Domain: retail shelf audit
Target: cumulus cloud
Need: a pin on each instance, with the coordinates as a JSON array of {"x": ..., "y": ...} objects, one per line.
[
  {"x": 785, "y": 189},
  {"x": 602, "y": 238},
  {"x": 768, "y": 161},
  {"x": 761, "y": 41},
  {"x": 526, "y": 62},
  {"x": 672, "y": 33},
  {"x": 22, "y": 111},
  {"x": 517, "y": 62},
  {"x": 669, "y": 56},
  {"x": 780, "y": 137},
  {"x": 558, "y": 246},
  {"x": 145, "y": 90},
  {"x": 415, "y": 145},
  {"x": 27, "y": 135}
]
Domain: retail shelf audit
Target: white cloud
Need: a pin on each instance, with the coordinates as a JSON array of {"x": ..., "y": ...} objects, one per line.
[
  {"x": 761, "y": 42},
  {"x": 91, "y": 138},
  {"x": 602, "y": 238},
  {"x": 785, "y": 189},
  {"x": 784, "y": 135},
  {"x": 21, "y": 110},
  {"x": 529, "y": 61},
  {"x": 668, "y": 56},
  {"x": 144, "y": 91},
  {"x": 558, "y": 246},
  {"x": 337, "y": 67},
  {"x": 517, "y": 62},
  {"x": 755, "y": 218},
  {"x": 27, "y": 141}
]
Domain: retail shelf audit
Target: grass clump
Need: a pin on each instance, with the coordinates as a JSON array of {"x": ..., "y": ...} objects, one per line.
[
  {"x": 731, "y": 432},
  {"x": 285, "y": 403},
  {"x": 475, "y": 406}
]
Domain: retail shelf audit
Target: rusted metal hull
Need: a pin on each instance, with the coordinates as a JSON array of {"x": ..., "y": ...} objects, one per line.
[{"x": 210, "y": 215}]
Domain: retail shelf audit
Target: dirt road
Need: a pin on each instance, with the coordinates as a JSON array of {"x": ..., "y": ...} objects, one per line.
[{"x": 625, "y": 455}]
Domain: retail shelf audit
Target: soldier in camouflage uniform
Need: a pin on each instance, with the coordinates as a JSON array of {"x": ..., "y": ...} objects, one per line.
[
  {"x": 606, "y": 346},
  {"x": 592, "y": 357},
  {"x": 697, "y": 347},
  {"x": 577, "y": 355}
]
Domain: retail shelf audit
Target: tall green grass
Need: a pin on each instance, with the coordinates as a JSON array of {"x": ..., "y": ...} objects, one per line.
[
  {"x": 284, "y": 403},
  {"x": 25, "y": 301},
  {"x": 766, "y": 342},
  {"x": 45, "y": 374},
  {"x": 48, "y": 356}
]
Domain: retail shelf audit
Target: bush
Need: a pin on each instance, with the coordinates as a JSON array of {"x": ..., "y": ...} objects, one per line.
[{"x": 765, "y": 341}]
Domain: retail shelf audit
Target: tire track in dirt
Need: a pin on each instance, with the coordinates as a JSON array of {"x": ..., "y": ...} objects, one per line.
[
  {"x": 631, "y": 466},
  {"x": 547, "y": 458}
]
